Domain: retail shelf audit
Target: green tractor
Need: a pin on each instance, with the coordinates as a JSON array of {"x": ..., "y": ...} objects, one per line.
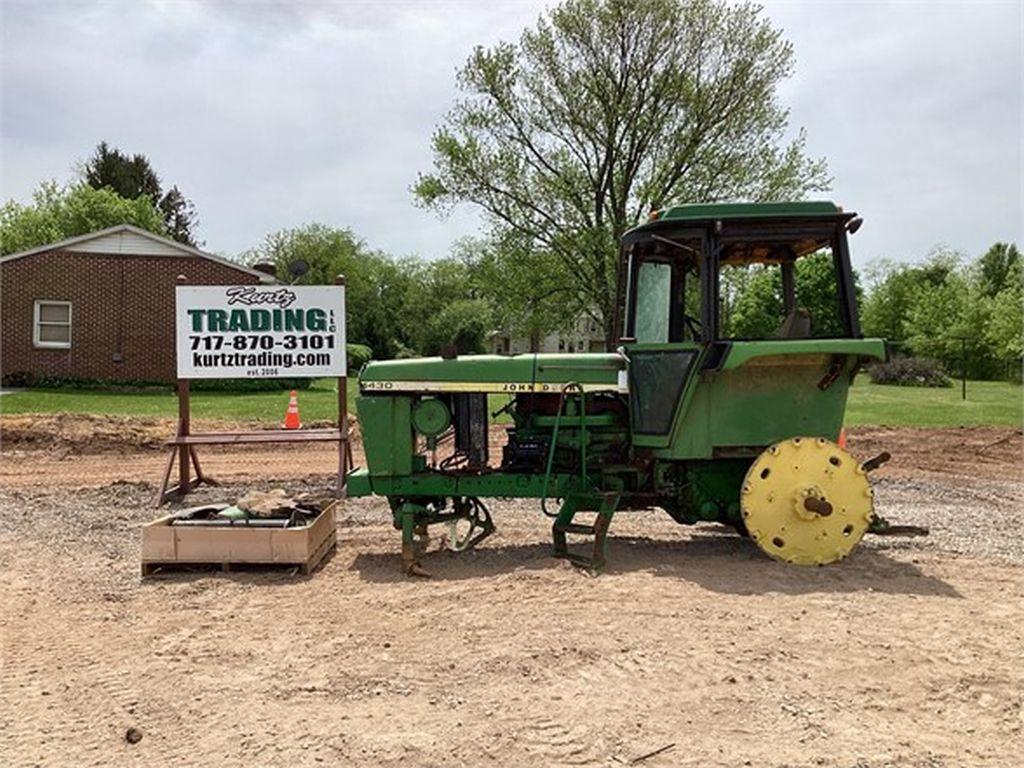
[{"x": 703, "y": 409}]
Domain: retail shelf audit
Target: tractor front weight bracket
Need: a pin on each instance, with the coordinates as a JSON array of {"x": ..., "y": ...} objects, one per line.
[
  {"x": 414, "y": 519},
  {"x": 413, "y": 535}
]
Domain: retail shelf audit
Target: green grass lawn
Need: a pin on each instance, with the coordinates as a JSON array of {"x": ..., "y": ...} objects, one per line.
[
  {"x": 996, "y": 403},
  {"x": 319, "y": 402},
  {"x": 988, "y": 402}
]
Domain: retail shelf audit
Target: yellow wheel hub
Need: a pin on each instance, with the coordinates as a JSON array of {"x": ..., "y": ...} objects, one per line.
[{"x": 806, "y": 501}]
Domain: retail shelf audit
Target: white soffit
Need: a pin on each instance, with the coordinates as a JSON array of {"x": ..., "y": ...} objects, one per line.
[{"x": 125, "y": 242}]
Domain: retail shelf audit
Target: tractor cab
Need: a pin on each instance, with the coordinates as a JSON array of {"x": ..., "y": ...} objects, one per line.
[{"x": 703, "y": 286}]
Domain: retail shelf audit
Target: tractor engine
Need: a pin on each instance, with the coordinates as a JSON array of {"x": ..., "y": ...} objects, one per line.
[{"x": 592, "y": 436}]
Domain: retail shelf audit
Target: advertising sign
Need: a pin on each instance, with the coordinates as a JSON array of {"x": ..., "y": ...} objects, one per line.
[{"x": 260, "y": 331}]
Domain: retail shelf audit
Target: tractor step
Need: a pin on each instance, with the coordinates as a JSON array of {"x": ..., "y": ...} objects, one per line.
[
  {"x": 580, "y": 528},
  {"x": 599, "y": 530}
]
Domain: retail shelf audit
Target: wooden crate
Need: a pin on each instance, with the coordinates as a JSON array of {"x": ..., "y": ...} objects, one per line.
[{"x": 165, "y": 545}]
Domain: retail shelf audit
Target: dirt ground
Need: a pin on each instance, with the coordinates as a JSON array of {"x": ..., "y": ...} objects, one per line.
[{"x": 909, "y": 653}]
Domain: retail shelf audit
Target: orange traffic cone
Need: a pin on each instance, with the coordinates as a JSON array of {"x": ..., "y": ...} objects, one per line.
[
  {"x": 841, "y": 442},
  {"x": 291, "y": 416}
]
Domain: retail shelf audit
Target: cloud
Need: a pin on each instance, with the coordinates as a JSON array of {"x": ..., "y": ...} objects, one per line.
[
  {"x": 273, "y": 114},
  {"x": 918, "y": 109}
]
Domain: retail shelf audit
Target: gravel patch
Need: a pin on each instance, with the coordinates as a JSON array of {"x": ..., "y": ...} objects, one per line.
[
  {"x": 964, "y": 516},
  {"x": 979, "y": 518}
]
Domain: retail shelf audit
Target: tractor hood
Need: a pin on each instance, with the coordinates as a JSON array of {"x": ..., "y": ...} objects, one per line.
[{"x": 497, "y": 373}]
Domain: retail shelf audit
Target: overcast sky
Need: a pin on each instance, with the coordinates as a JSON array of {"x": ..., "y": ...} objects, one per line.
[{"x": 273, "y": 115}]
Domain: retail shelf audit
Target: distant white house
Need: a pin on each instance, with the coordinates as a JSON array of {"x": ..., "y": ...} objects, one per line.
[{"x": 585, "y": 335}]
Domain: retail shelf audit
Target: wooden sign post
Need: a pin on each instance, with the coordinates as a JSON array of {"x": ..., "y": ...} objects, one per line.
[{"x": 344, "y": 454}]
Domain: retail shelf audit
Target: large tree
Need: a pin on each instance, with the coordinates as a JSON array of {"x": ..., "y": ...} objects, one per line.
[
  {"x": 132, "y": 176},
  {"x": 894, "y": 288},
  {"x": 1005, "y": 331},
  {"x": 56, "y": 213},
  {"x": 609, "y": 108},
  {"x": 997, "y": 268},
  {"x": 327, "y": 253}
]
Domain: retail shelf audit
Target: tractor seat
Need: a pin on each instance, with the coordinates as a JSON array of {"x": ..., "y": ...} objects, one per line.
[{"x": 797, "y": 325}]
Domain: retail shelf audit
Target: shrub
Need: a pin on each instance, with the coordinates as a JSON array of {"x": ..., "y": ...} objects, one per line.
[
  {"x": 248, "y": 385},
  {"x": 358, "y": 355},
  {"x": 45, "y": 381},
  {"x": 17, "y": 379},
  {"x": 24, "y": 379},
  {"x": 463, "y": 324},
  {"x": 403, "y": 352},
  {"x": 910, "y": 372}
]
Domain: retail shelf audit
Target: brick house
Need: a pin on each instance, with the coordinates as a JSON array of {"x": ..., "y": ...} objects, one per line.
[{"x": 101, "y": 305}]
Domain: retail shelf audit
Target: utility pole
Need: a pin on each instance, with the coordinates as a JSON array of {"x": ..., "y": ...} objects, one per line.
[{"x": 963, "y": 367}]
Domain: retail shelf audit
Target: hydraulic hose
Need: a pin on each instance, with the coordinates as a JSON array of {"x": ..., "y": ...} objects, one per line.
[{"x": 572, "y": 385}]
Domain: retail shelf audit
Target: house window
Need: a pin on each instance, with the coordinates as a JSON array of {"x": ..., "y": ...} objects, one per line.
[{"x": 51, "y": 324}]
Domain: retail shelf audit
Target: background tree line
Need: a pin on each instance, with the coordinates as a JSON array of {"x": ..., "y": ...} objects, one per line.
[
  {"x": 406, "y": 306},
  {"x": 948, "y": 302}
]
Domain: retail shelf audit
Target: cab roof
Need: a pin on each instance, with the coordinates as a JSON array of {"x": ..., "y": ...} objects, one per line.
[{"x": 707, "y": 213}]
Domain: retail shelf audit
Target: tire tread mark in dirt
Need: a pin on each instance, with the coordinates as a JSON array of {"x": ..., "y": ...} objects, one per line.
[{"x": 93, "y": 708}]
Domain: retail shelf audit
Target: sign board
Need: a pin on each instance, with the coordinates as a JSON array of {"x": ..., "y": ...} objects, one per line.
[{"x": 260, "y": 331}]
